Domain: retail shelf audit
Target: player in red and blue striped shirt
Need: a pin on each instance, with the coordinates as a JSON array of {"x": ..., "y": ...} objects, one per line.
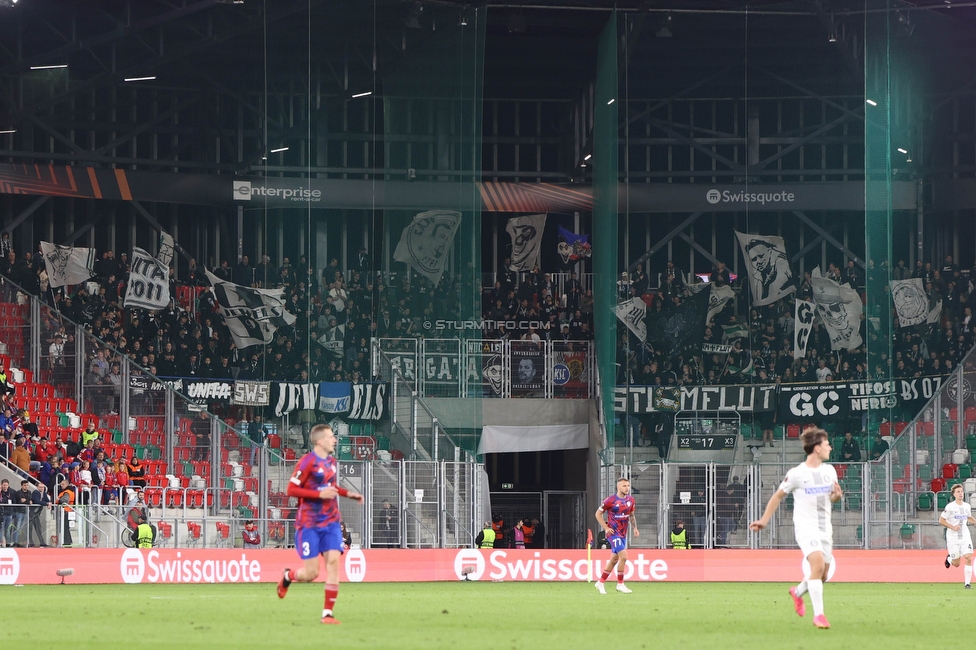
[
  {"x": 318, "y": 529},
  {"x": 620, "y": 507}
]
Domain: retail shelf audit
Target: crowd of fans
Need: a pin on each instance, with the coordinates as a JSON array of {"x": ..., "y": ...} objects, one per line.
[{"x": 762, "y": 339}]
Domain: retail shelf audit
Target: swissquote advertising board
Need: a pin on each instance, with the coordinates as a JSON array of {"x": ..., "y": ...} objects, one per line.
[{"x": 201, "y": 566}]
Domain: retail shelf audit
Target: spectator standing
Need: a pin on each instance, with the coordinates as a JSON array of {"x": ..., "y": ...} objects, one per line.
[
  {"x": 66, "y": 499},
  {"x": 40, "y": 501},
  {"x": 6, "y": 513},
  {"x": 518, "y": 535},
  {"x": 389, "y": 526},
  {"x": 486, "y": 538},
  {"x": 22, "y": 499},
  {"x": 679, "y": 536},
  {"x": 201, "y": 430}
]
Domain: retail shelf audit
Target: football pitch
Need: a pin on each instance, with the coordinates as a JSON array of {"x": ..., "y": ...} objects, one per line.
[{"x": 483, "y": 615}]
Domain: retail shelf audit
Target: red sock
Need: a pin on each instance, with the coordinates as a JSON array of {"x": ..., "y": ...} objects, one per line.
[
  {"x": 620, "y": 577},
  {"x": 603, "y": 578},
  {"x": 331, "y": 593}
]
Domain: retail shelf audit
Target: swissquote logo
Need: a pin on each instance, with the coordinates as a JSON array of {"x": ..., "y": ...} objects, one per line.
[
  {"x": 242, "y": 190},
  {"x": 133, "y": 566},
  {"x": 355, "y": 565},
  {"x": 177, "y": 567},
  {"x": 469, "y": 557},
  {"x": 9, "y": 566},
  {"x": 714, "y": 196}
]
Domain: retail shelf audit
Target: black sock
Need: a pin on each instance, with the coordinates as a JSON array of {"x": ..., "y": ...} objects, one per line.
[{"x": 286, "y": 579}]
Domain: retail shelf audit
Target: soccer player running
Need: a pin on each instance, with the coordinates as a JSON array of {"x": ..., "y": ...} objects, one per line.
[
  {"x": 959, "y": 543},
  {"x": 318, "y": 532},
  {"x": 620, "y": 507},
  {"x": 814, "y": 486}
]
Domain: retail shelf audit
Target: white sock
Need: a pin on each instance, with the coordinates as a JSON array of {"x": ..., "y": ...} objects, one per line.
[
  {"x": 801, "y": 588},
  {"x": 326, "y": 612},
  {"x": 968, "y": 571},
  {"x": 815, "y": 587}
]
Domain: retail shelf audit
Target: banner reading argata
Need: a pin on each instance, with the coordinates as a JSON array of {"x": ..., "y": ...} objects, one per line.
[{"x": 201, "y": 566}]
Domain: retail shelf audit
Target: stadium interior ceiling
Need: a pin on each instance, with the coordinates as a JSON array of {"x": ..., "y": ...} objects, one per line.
[{"x": 214, "y": 63}]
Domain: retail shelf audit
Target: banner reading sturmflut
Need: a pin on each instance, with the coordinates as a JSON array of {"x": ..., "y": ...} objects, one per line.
[
  {"x": 251, "y": 315},
  {"x": 148, "y": 286}
]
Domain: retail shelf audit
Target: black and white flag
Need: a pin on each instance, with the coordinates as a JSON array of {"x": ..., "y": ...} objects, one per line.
[
  {"x": 251, "y": 315},
  {"x": 526, "y": 234},
  {"x": 148, "y": 286},
  {"x": 718, "y": 298},
  {"x": 67, "y": 265},
  {"x": 426, "y": 243},
  {"x": 294, "y": 397},
  {"x": 632, "y": 315},
  {"x": 368, "y": 401},
  {"x": 333, "y": 340},
  {"x": 910, "y": 300},
  {"x": 804, "y": 324},
  {"x": 166, "y": 248},
  {"x": 768, "y": 266},
  {"x": 679, "y": 329},
  {"x": 840, "y": 309}
]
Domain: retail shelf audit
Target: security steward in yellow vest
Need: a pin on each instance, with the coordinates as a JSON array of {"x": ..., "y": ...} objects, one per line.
[
  {"x": 679, "y": 536},
  {"x": 144, "y": 534},
  {"x": 486, "y": 538}
]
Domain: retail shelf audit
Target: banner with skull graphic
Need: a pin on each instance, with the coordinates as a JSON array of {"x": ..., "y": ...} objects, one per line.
[
  {"x": 526, "y": 234},
  {"x": 839, "y": 308}
]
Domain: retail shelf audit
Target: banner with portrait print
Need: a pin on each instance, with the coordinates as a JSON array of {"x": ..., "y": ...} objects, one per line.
[
  {"x": 528, "y": 369},
  {"x": 483, "y": 368},
  {"x": 767, "y": 266},
  {"x": 425, "y": 245}
]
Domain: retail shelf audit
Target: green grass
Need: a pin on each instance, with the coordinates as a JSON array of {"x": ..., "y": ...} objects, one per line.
[{"x": 499, "y": 616}]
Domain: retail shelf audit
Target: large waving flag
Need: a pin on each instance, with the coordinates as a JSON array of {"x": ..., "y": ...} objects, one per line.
[
  {"x": 67, "y": 265},
  {"x": 572, "y": 247},
  {"x": 251, "y": 315}
]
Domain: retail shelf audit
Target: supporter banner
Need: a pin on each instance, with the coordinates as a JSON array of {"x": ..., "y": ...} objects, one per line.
[
  {"x": 570, "y": 371},
  {"x": 803, "y": 314},
  {"x": 142, "y": 382},
  {"x": 405, "y": 362},
  {"x": 729, "y": 398},
  {"x": 915, "y": 393},
  {"x": 526, "y": 234},
  {"x": 251, "y": 315},
  {"x": 333, "y": 340},
  {"x": 148, "y": 286},
  {"x": 205, "y": 391},
  {"x": 251, "y": 393},
  {"x": 768, "y": 266},
  {"x": 572, "y": 247},
  {"x": 484, "y": 367},
  {"x": 528, "y": 371},
  {"x": 426, "y": 243},
  {"x": 716, "y": 348},
  {"x": 675, "y": 330},
  {"x": 212, "y": 566},
  {"x": 294, "y": 397},
  {"x": 334, "y": 396},
  {"x": 910, "y": 301},
  {"x": 840, "y": 309},
  {"x": 717, "y": 299},
  {"x": 167, "y": 247},
  {"x": 368, "y": 401},
  {"x": 802, "y": 402},
  {"x": 66, "y": 265},
  {"x": 441, "y": 368},
  {"x": 632, "y": 313}
]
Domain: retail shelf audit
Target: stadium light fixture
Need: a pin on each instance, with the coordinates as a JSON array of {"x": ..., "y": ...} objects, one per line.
[
  {"x": 279, "y": 150},
  {"x": 140, "y": 78},
  {"x": 900, "y": 150},
  {"x": 365, "y": 94},
  {"x": 587, "y": 156},
  {"x": 9, "y": 4},
  {"x": 611, "y": 101},
  {"x": 49, "y": 67},
  {"x": 7, "y": 131},
  {"x": 870, "y": 102}
]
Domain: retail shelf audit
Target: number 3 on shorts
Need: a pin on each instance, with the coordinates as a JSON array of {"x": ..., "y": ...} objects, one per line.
[{"x": 305, "y": 549}]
